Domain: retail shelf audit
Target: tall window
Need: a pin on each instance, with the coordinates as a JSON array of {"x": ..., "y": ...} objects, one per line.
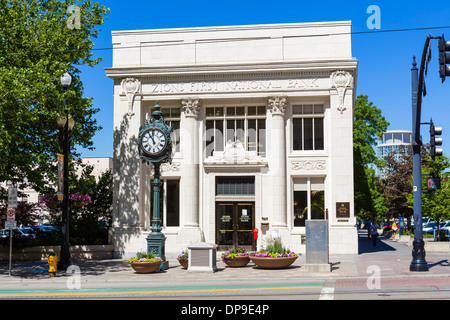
[
  {"x": 307, "y": 123},
  {"x": 172, "y": 117},
  {"x": 309, "y": 200},
  {"x": 169, "y": 203},
  {"x": 246, "y": 124}
]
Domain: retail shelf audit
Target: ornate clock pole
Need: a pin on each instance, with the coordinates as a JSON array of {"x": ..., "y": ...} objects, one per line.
[{"x": 155, "y": 147}]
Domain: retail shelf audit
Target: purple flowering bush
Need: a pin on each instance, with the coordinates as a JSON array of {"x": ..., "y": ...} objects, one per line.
[
  {"x": 144, "y": 257},
  {"x": 234, "y": 252},
  {"x": 81, "y": 198},
  {"x": 274, "y": 249},
  {"x": 49, "y": 199},
  {"x": 184, "y": 255}
]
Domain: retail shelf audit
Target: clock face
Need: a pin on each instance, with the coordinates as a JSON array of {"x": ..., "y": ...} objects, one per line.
[{"x": 153, "y": 141}]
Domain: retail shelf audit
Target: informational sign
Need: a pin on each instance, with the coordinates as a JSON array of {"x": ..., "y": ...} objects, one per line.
[
  {"x": 11, "y": 214},
  {"x": 10, "y": 225},
  {"x": 12, "y": 197},
  {"x": 60, "y": 176},
  {"x": 342, "y": 210}
]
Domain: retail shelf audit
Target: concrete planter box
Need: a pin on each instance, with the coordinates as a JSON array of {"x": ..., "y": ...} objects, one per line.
[
  {"x": 404, "y": 239},
  {"x": 437, "y": 246},
  {"x": 78, "y": 252}
]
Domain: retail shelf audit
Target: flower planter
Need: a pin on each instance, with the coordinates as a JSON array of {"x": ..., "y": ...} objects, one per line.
[
  {"x": 184, "y": 262},
  {"x": 145, "y": 267},
  {"x": 237, "y": 261},
  {"x": 52, "y": 204},
  {"x": 79, "y": 204},
  {"x": 273, "y": 263}
]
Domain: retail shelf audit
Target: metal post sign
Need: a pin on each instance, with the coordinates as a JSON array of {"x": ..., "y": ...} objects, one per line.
[
  {"x": 12, "y": 197},
  {"x": 11, "y": 214},
  {"x": 10, "y": 225}
]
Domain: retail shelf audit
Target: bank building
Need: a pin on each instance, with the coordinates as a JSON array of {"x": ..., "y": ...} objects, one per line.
[{"x": 262, "y": 139}]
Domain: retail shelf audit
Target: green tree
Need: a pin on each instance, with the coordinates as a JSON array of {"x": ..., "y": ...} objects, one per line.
[
  {"x": 368, "y": 125},
  {"x": 397, "y": 183},
  {"x": 36, "y": 48},
  {"x": 435, "y": 203},
  {"x": 88, "y": 224}
]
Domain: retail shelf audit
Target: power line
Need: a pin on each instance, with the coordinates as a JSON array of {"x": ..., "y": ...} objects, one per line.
[{"x": 166, "y": 44}]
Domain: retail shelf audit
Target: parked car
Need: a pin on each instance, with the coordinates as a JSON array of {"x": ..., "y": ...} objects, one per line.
[
  {"x": 429, "y": 227},
  {"x": 47, "y": 229},
  {"x": 446, "y": 226},
  {"x": 27, "y": 232},
  {"x": 4, "y": 233}
]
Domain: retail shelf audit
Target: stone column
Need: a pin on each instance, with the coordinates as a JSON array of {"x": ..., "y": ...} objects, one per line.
[
  {"x": 189, "y": 181},
  {"x": 277, "y": 163}
]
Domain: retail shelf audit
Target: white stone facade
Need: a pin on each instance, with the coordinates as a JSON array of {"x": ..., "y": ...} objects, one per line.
[{"x": 282, "y": 99}]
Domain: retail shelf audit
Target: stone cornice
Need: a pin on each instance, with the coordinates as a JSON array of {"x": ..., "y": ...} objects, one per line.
[{"x": 232, "y": 71}]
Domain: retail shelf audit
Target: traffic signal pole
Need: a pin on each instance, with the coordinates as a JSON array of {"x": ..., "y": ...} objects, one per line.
[{"x": 418, "y": 262}]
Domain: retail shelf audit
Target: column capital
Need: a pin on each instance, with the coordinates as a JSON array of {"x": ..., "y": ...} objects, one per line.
[
  {"x": 191, "y": 107},
  {"x": 277, "y": 105}
]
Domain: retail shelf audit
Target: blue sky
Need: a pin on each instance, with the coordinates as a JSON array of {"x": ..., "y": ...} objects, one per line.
[{"x": 385, "y": 58}]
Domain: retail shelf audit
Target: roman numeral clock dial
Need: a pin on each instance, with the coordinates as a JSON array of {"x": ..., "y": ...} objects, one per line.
[{"x": 153, "y": 141}]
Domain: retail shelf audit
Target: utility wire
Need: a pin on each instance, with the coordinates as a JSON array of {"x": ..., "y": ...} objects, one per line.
[{"x": 175, "y": 43}]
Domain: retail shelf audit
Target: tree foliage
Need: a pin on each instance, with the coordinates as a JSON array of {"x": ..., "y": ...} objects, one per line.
[
  {"x": 36, "y": 48},
  {"x": 368, "y": 125}
]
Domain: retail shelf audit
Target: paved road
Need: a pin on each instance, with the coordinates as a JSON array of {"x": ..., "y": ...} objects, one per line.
[{"x": 374, "y": 274}]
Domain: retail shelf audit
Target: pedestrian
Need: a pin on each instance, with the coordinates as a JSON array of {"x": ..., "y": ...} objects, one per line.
[
  {"x": 374, "y": 233},
  {"x": 394, "y": 230}
]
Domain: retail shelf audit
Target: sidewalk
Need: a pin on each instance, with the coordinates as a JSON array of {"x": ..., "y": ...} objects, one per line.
[{"x": 391, "y": 258}]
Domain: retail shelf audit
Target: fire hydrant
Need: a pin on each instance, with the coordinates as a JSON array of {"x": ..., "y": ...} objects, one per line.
[{"x": 52, "y": 260}]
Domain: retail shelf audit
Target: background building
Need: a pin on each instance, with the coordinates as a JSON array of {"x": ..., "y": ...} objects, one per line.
[
  {"x": 393, "y": 143},
  {"x": 263, "y": 117}
]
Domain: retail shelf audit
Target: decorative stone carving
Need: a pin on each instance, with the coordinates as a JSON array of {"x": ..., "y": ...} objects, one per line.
[
  {"x": 191, "y": 107},
  {"x": 167, "y": 167},
  {"x": 341, "y": 80},
  {"x": 234, "y": 153},
  {"x": 277, "y": 105},
  {"x": 308, "y": 165},
  {"x": 130, "y": 86}
]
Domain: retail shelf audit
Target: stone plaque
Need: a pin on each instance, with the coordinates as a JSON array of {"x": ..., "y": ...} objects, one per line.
[{"x": 342, "y": 209}]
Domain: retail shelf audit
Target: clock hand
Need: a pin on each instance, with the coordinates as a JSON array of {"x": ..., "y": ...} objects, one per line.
[{"x": 151, "y": 137}]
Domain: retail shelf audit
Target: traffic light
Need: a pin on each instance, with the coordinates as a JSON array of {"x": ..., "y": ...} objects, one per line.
[
  {"x": 433, "y": 183},
  {"x": 444, "y": 58},
  {"x": 435, "y": 141}
]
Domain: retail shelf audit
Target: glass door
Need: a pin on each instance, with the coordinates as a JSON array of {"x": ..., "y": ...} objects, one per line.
[{"x": 235, "y": 224}]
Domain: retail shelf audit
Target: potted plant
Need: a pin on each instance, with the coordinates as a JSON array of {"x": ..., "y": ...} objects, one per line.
[
  {"x": 274, "y": 256},
  {"x": 145, "y": 262},
  {"x": 235, "y": 257},
  {"x": 80, "y": 200},
  {"x": 50, "y": 201},
  {"x": 183, "y": 258}
]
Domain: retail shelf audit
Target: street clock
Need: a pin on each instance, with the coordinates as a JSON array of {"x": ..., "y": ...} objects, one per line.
[
  {"x": 155, "y": 147},
  {"x": 154, "y": 142}
]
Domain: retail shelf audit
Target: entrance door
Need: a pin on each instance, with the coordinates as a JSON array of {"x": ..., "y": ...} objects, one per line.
[{"x": 235, "y": 224}]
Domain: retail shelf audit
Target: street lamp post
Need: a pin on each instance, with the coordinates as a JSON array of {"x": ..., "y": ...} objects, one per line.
[{"x": 66, "y": 124}]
